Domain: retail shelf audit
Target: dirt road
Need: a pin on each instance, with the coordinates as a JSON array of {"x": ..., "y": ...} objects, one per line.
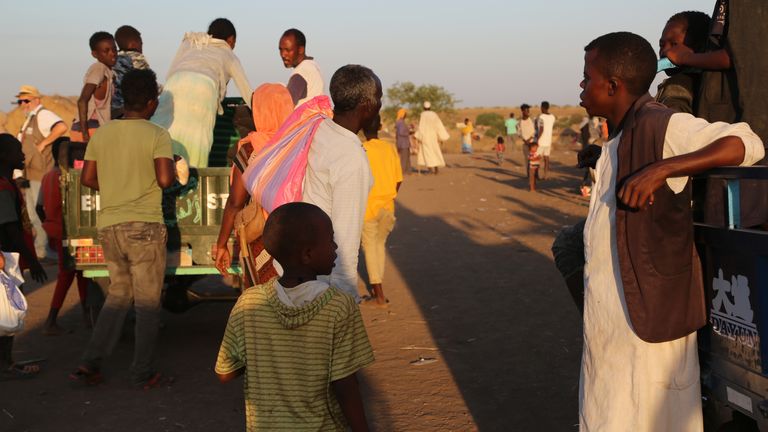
[{"x": 472, "y": 286}]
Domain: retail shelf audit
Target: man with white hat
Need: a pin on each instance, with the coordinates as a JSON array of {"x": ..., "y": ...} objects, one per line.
[
  {"x": 41, "y": 128},
  {"x": 431, "y": 131}
]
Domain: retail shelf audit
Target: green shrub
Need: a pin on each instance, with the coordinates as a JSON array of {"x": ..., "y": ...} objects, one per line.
[{"x": 494, "y": 122}]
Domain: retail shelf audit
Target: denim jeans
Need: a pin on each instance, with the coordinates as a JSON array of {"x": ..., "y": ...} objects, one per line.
[{"x": 135, "y": 255}]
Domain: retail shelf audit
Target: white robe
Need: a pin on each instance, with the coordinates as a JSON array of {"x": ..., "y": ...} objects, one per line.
[
  {"x": 431, "y": 131},
  {"x": 628, "y": 384}
]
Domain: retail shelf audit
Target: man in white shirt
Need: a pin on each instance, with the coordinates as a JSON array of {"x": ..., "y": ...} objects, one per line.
[
  {"x": 306, "y": 81},
  {"x": 338, "y": 176},
  {"x": 545, "y": 125},
  {"x": 40, "y": 129}
]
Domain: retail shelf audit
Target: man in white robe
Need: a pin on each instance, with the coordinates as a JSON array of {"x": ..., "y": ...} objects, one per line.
[
  {"x": 628, "y": 384},
  {"x": 430, "y": 132}
]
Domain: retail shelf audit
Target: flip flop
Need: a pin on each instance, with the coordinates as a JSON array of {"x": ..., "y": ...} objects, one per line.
[
  {"x": 85, "y": 376},
  {"x": 20, "y": 371},
  {"x": 156, "y": 380}
]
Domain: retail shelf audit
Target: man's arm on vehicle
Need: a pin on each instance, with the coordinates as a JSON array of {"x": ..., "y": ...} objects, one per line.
[
  {"x": 347, "y": 391},
  {"x": 165, "y": 172},
  {"x": 637, "y": 191},
  {"x": 89, "y": 177}
]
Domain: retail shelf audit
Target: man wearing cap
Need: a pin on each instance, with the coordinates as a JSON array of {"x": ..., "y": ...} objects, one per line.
[
  {"x": 431, "y": 132},
  {"x": 40, "y": 129}
]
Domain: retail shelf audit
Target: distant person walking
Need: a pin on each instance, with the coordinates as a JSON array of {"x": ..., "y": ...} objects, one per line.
[
  {"x": 196, "y": 85},
  {"x": 466, "y": 136},
  {"x": 527, "y": 132},
  {"x": 40, "y": 129},
  {"x": 430, "y": 133},
  {"x": 306, "y": 80},
  {"x": 403, "y": 141},
  {"x": 511, "y": 125},
  {"x": 545, "y": 125}
]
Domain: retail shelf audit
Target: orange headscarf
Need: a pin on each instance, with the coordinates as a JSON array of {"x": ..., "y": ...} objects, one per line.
[
  {"x": 272, "y": 104},
  {"x": 401, "y": 113}
]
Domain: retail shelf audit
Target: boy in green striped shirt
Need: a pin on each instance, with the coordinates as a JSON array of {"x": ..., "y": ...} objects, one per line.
[{"x": 298, "y": 341}]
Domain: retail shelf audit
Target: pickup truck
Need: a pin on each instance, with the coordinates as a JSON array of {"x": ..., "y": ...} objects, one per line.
[
  {"x": 733, "y": 347},
  {"x": 192, "y": 214}
]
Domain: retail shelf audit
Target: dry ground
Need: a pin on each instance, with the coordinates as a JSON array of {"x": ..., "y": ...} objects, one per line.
[{"x": 471, "y": 283}]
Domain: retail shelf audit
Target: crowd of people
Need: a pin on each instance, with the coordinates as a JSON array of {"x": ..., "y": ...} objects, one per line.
[{"x": 306, "y": 193}]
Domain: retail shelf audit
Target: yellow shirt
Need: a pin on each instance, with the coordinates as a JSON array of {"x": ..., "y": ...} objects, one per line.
[{"x": 386, "y": 172}]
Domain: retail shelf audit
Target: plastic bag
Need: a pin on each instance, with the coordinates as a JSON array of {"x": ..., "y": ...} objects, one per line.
[{"x": 13, "y": 305}]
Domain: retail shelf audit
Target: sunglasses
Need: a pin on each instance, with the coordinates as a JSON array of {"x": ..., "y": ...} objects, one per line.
[{"x": 22, "y": 101}]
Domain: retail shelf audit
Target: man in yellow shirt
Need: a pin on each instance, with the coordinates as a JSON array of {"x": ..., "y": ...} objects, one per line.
[{"x": 380, "y": 212}]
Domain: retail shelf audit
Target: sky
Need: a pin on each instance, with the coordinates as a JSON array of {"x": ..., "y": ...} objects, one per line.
[{"x": 486, "y": 52}]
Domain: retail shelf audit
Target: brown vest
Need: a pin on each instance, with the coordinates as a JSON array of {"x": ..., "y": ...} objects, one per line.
[
  {"x": 658, "y": 263},
  {"x": 36, "y": 164}
]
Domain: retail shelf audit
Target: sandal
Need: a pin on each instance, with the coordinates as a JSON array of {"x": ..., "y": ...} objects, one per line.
[
  {"x": 85, "y": 376},
  {"x": 20, "y": 371},
  {"x": 157, "y": 379}
]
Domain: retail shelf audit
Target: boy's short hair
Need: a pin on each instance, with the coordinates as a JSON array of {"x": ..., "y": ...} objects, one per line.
[
  {"x": 298, "y": 36},
  {"x": 373, "y": 127},
  {"x": 545, "y": 105},
  {"x": 126, "y": 34},
  {"x": 524, "y": 107},
  {"x": 139, "y": 86},
  {"x": 626, "y": 56},
  {"x": 222, "y": 28},
  {"x": 351, "y": 86},
  {"x": 500, "y": 139},
  {"x": 290, "y": 228},
  {"x": 511, "y": 115},
  {"x": 97, "y": 37},
  {"x": 6, "y": 141},
  {"x": 696, "y": 28}
]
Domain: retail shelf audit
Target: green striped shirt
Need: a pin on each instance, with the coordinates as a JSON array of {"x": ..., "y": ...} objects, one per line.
[{"x": 291, "y": 355}]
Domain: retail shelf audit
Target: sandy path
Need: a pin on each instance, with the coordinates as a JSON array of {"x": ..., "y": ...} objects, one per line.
[{"x": 472, "y": 284}]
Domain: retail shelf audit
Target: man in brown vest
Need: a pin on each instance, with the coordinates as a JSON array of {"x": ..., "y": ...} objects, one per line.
[
  {"x": 41, "y": 128},
  {"x": 644, "y": 297}
]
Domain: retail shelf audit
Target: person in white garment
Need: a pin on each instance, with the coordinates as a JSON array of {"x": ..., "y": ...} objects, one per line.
[
  {"x": 430, "y": 133},
  {"x": 641, "y": 373},
  {"x": 306, "y": 81},
  {"x": 545, "y": 125},
  {"x": 196, "y": 85}
]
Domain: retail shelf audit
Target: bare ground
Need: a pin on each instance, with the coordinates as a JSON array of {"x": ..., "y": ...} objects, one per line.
[{"x": 471, "y": 283}]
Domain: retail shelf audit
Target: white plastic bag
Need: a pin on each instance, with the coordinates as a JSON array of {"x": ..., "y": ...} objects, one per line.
[{"x": 13, "y": 305}]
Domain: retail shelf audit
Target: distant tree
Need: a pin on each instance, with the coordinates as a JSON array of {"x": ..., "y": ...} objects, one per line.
[
  {"x": 494, "y": 122},
  {"x": 411, "y": 97}
]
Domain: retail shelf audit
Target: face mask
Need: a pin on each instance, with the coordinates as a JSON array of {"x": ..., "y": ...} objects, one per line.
[{"x": 664, "y": 64}]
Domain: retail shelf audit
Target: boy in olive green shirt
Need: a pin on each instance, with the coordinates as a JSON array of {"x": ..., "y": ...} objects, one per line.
[{"x": 128, "y": 161}]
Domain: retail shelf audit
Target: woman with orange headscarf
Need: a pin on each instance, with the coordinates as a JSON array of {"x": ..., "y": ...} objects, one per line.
[
  {"x": 272, "y": 104},
  {"x": 403, "y": 141}
]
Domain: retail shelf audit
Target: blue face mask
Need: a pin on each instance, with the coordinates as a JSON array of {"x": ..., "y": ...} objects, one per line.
[{"x": 664, "y": 64}]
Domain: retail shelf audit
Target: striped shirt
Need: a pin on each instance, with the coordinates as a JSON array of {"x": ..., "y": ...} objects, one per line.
[{"x": 291, "y": 355}]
